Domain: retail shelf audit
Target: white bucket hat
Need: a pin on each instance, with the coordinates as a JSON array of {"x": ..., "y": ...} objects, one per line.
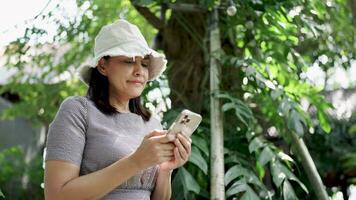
[{"x": 122, "y": 38}]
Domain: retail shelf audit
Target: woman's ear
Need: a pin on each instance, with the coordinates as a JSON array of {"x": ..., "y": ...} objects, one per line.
[{"x": 101, "y": 67}]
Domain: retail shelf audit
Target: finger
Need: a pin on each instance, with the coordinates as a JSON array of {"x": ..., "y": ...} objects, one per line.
[
  {"x": 166, "y": 158},
  {"x": 186, "y": 143},
  {"x": 185, "y": 136},
  {"x": 167, "y": 153},
  {"x": 164, "y": 139},
  {"x": 182, "y": 151},
  {"x": 171, "y": 135},
  {"x": 157, "y": 134},
  {"x": 177, "y": 155},
  {"x": 167, "y": 146}
]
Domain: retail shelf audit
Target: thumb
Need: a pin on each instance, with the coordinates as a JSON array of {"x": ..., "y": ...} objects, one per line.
[
  {"x": 155, "y": 133},
  {"x": 165, "y": 138}
]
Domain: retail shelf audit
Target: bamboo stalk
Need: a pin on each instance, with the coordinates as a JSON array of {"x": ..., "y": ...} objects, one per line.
[
  {"x": 216, "y": 123},
  {"x": 309, "y": 167}
]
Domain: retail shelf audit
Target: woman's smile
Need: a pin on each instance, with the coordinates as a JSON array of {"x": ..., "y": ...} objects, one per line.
[{"x": 136, "y": 82}]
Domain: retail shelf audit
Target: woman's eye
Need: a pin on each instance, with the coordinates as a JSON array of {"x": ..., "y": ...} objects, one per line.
[
  {"x": 128, "y": 61},
  {"x": 144, "y": 64}
]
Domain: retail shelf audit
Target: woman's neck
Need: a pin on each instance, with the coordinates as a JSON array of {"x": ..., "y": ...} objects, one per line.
[{"x": 121, "y": 105}]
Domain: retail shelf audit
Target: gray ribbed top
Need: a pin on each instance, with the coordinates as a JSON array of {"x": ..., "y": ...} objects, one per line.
[{"x": 81, "y": 134}]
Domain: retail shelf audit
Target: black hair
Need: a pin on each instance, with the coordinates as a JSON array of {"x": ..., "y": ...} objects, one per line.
[{"x": 98, "y": 92}]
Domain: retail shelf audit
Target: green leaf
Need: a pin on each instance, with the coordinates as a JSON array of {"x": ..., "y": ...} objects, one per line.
[
  {"x": 349, "y": 161},
  {"x": 277, "y": 175},
  {"x": 288, "y": 191},
  {"x": 276, "y": 93},
  {"x": 237, "y": 187},
  {"x": 224, "y": 96},
  {"x": 197, "y": 159},
  {"x": 248, "y": 175},
  {"x": 250, "y": 194},
  {"x": 233, "y": 173},
  {"x": 184, "y": 182},
  {"x": 238, "y": 114},
  {"x": 228, "y": 106},
  {"x": 1, "y": 194},
  {"x": 242, "y": 111},
  {"x": 292, "y": 177},
  {"x": 266, "y": 156},
  {"x": 201, "y": 143},
  {"x": 324, "y": 121},
  {"x": 260, "y": 170},
  {"x": 284, "y": 107},
  {"x": 252, "y": 178},
  {"x": 255, "y": 144},
  {"x": 295, "y": 123},
  {"x": 352, "y": 129},
  {"x": 280, "y": 173},
  {"x": 189, "y": 181},
  {"x": 235, "y": 159},
  {"x": 284, "y": 156}
]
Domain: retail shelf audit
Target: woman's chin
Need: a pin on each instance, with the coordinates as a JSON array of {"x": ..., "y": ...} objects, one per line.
[{"x": 135, "y": 94}]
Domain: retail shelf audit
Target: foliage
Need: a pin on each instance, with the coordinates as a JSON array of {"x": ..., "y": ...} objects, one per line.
[
  {"x": 253, "y": 171},
  {"x": 338, "y": 161},
  {"x": 20, "y": 179},
  {"x": 46, "y": 71}
]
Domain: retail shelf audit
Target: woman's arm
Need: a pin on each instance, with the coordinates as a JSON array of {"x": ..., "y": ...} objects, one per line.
[
  {"x": 62, "y": 180},
  {"x": 162, "y": 189},
  {"x": 67, "y": 184}
]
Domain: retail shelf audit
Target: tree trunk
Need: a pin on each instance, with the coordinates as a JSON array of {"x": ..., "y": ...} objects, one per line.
[
  {"x": 184, "y": 45},
  {"x": 216, "y": 121},
  {"x": 184, "y": 41},
  {"x": 353, "y": 11}
]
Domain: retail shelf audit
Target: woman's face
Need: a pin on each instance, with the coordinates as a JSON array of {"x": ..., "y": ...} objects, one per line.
[{"x": 127, "y": 77}]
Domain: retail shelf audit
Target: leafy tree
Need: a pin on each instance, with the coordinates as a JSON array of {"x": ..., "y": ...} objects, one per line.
[
  {"x": 337, "y": 163},
  {"x": 19, "y": 180}
]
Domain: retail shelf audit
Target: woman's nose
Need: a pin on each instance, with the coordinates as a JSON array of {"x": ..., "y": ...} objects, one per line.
[{"x": 138, "y": 68}]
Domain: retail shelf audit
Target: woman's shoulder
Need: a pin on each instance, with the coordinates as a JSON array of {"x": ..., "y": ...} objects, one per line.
[{"x": 74, "y": 103}]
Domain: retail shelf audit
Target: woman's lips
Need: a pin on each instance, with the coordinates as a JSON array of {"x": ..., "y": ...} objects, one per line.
[{"x": 136, "y": 82}]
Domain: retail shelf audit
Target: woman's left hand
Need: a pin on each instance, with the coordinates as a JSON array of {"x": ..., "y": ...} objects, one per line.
[{"x": 182, "y": 152}]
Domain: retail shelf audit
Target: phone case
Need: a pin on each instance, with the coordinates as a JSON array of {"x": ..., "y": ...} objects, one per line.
[{"x": 186, "y": 122}]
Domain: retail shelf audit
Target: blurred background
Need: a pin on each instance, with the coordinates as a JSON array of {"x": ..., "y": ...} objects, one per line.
[{"x": 288, "y": 68}]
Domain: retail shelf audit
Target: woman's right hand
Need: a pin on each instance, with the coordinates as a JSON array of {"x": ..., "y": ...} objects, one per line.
[{"x": 155, "y": 148}]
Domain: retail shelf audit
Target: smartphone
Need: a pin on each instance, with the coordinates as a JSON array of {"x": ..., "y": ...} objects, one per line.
[{"x": 186, "y": 122}]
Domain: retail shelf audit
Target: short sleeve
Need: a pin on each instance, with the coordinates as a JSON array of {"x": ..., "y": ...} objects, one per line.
[{"x": 66, "y": 134}]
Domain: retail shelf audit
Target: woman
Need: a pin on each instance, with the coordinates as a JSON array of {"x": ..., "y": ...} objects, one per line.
[{"x": 106, "y": 145}]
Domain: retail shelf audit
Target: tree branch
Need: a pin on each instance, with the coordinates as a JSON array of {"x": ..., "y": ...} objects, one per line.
[
  {"x": 159, "y": 23},
  {"x": 185, "y": 7},
  {"x": 353, "y": 10},
  {"x": 149, "y": 16}
]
